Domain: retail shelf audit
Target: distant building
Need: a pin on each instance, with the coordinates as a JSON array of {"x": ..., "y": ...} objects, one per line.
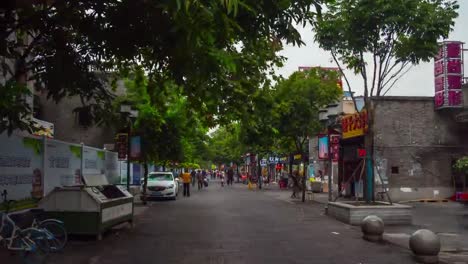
[
  {"x": 71, "y": 126},
  {"x": 415, "y": 148}
]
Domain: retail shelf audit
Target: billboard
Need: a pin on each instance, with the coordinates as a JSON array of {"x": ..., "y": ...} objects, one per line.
[
  {"x": 448, "y": 75},
  {"x": 21, "y": 166},
  {"x": 135, "y": 148},
  {"x": 63, "y": 165},
  {"x": 323, "y": 149},
  {"x": 354, "y": 125}
]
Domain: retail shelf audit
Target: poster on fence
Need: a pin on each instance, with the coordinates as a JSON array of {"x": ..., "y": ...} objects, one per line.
[
  {"x": 112, "y": 167},
  {"x": 63, "y": 165},
  {"x": 94, "y": 161},
  {"x": 21, "y": 166}
]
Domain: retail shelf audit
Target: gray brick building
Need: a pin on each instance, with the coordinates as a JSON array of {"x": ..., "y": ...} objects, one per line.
[{"x": 415, "y": 148}]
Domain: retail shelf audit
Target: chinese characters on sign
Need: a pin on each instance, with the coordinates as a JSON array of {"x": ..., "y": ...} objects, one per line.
[
  {"x": 122, "y": 145},
  {"x": 448, "y": 75},
  {"x": 354, "y": 125},
  {"x": 335, "y": 147}
]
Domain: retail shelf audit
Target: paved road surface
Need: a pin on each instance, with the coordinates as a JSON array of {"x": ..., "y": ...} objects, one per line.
[{"x": 232, "y": 225}]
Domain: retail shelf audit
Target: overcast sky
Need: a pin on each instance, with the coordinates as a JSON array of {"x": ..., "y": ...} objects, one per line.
[{"x": 419, "y": 81}]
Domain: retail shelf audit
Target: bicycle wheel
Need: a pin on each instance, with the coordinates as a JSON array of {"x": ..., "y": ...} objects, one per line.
[
  {"x": 58, "y": 231},
  {"x": 40, "y": 249}
]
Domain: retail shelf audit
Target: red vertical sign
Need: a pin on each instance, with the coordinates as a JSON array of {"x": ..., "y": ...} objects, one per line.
[
  {"x": 448, "y": 75},
  {"x": 122, "y": 145}
]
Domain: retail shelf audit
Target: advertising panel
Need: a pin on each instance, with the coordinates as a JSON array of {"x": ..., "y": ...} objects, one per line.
[
  {"x": 21, "y": 166},
  {"x": 112, "y": 167},
  {"x": 135, "y": 148},
  {"x": 354, "y": 125},
  {"x": 63, "y": 165},
  {"x": 323, "y": 147},
  {"x": 93, "y": 161},
  {"x": 448, "y": 75}
]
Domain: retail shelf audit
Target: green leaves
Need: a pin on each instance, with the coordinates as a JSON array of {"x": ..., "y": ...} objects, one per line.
[
  {"x": 462, "y": 164},
  {"x": 396, "y": 33}
]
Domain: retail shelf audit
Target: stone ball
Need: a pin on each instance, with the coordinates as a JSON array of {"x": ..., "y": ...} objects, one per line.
[
  {"x": 424, "y": 243},
  {"x": 372, "y": 225}
]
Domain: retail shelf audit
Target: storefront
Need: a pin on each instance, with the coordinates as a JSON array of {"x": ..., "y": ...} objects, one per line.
[{"x": 351, "y": 155}]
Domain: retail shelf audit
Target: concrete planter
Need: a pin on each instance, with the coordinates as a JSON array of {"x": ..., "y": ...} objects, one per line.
[{"x": 350, "y": 213}]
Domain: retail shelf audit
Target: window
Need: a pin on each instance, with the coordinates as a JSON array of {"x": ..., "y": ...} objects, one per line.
[{"x": 395, "y": 170}]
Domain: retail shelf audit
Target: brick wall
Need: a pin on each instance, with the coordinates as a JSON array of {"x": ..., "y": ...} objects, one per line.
[{"x": 417, "y": 145}]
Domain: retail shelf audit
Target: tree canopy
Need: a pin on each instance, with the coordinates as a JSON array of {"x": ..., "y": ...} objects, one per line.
[
  {"x": 396, "y": 34},
  {"x": 218, "y": 52}
]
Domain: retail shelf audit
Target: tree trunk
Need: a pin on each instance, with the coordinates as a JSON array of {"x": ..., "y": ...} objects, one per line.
[
  {"x": 369, "y": 145},
  {"x": 304, "y": 159},
  {"x": 145, "y": 180},
  {"x": 259, "y": 173}
]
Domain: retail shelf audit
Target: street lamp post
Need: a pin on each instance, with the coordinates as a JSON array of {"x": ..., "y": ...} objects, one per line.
[{"x": 131, "y": 114}]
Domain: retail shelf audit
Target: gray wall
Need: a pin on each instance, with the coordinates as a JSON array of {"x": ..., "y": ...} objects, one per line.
[
  {"x": 421, "y": 142},
  {"x": 66, "y": 123}
]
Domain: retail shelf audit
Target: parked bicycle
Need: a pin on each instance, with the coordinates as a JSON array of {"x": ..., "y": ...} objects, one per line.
[
  {"x": 35, "y": 218},
  {"x": 32, "y": 243}
]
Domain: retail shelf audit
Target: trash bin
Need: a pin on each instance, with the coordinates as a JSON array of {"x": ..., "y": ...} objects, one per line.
[{"x": 90, "y": 209}]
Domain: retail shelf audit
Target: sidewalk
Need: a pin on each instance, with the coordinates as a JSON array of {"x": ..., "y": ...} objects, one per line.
[
  {"x": 285, "y": 195},
  {"x": 448, "y": 220}
]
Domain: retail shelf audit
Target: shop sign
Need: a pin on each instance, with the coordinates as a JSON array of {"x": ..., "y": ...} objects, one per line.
[
  {"x": 335, "y": 147},
  {"x": 135, "y": 148},
  {"x": 122, "y": 145},
  {"x": 284, "y": 159},
  {"x": 297, "y": 157},
  {"x": 263, "y": 162},
  {"x": 323, "y": 147},
  {"x": 361, "y": 152},
  {"x": 448, "y": 75},
  {"x": 42, "y": 128},
  {"x": 273, "y": 160},
  {"x": 354, "y": 125}
]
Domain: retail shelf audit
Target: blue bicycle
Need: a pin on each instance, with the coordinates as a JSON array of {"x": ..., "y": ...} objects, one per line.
[{"x": 32, "y": 243}]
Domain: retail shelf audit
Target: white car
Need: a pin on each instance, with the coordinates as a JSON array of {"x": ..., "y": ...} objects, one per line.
[{"x": 161, "y": 185}]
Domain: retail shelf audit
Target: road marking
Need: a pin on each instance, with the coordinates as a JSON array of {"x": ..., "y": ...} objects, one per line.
[{"x": 335, "y": 233}]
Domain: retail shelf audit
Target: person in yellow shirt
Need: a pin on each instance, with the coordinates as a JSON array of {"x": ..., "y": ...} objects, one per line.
[{"x": 186, "y": 179}]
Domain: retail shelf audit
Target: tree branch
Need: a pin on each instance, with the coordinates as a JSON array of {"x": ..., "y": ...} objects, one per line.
[
  {"x": 398, "y": 78},
  {"x": 403, "y": 65},
  {"x": 364, "y": 75},
  {"x": 346, "y": 80},
  {"x": 375, "y": 73}
]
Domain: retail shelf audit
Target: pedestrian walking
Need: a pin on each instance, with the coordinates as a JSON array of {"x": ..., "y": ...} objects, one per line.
[
  {"x": 193, "y": 177},
  {"x": 230, "y": 176},
  {"x": 186, "y": 179},
  {"x": 295, "y": 184},
  {"x": 199, "y": 180}
]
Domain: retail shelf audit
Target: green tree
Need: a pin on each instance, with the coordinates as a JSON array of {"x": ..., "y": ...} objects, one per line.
[
  {"x": 217, "y": 51},
  {"x": 298, "y": 101},
  {"x": 380, "y": 40}
]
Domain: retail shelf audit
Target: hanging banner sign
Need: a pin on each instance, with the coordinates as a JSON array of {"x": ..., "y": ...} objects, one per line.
[
  {"x": 354, "y": 125},
  {"x": 135, "y": 149},
  {"x": 448, "y": 75},
  {"x": 323, "y": 150},
  {"x": 121, "y": 145}
]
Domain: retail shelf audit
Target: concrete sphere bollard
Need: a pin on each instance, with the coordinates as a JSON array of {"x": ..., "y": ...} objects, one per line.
[
  {"x": 372, "y": 228},
  {"x": 425, "y": 246}
]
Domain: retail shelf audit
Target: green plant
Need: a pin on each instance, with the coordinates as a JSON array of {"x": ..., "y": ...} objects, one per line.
[{"x": 462, "y": 164}]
